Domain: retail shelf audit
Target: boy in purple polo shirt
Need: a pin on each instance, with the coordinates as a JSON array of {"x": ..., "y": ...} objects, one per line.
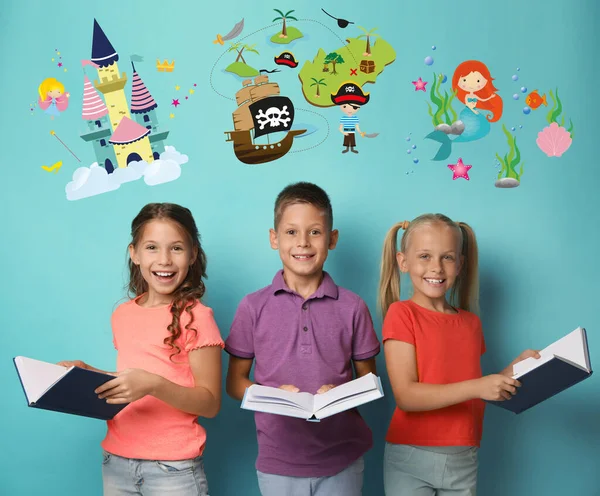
[{"x": 305, "y": 334}]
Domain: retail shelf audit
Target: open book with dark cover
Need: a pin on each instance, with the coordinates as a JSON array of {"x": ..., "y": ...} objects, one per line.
[
  {"x": 563, "y": 364},
  {"x": 64, "y": 389},
  {"x": 313, "y": 407}
]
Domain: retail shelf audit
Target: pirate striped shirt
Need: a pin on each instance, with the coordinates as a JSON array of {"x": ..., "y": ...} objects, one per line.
[{"x": 349, "y": 123}]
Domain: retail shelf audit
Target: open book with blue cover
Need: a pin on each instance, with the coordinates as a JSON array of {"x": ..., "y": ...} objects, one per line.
[
  {"x": 64, "y": 389},
  {"x": 313, "y": 407},
  {"x": 563, "y": 364}
]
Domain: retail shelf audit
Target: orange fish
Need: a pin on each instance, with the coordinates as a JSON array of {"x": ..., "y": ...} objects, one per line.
[{"x": 534, "y": 100}]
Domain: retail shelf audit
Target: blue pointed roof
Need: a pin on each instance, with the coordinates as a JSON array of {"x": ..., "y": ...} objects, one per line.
[{"x": 103, "y": 52}]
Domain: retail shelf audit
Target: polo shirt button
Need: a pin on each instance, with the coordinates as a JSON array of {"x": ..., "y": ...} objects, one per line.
[
  {"x": 306, "y": 328},
  {"x": 304, "y": 307}
]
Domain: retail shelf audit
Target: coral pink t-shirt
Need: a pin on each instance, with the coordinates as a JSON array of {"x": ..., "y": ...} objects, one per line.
[{"x": 149, "y": 428}]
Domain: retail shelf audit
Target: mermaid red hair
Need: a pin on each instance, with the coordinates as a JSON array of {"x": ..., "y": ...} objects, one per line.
[{"x": 495, "y": 104}]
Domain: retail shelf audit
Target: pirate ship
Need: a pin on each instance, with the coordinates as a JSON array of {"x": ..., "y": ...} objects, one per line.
[{"x": 261, "y": 111}]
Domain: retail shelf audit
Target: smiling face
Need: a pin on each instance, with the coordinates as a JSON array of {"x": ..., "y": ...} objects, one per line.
[
  {"x": 303, "y": 238},
  {"x": 164, "y": 255},
  {"x": 472, "y": 82},
  {"x": 432, "y": 259},
  {"x": 54, "y": 93}
]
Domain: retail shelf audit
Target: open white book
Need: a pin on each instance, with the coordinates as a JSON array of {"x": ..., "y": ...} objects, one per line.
[
  {"x": 572, "y": 349},
  {"x": 313, "y": 407},
  {"x": 563, "y": 364}
]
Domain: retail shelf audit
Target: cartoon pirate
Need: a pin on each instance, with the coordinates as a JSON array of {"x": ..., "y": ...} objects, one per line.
[{"x": 350, "y": 98}]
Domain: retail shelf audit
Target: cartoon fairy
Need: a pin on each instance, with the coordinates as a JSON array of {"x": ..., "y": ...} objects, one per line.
[
  {"x": 472, "y": 83},
  {"x": 53, "y": 99}
]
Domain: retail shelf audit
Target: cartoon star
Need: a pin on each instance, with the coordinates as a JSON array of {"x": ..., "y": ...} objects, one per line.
[
  {"x": 177, "y": 88},
  {"x": 460, "y": 170},
  {"x": 175, "y": 102},
  {"x": 172, "y": 116},
  {"x": 419, "y": 85}
]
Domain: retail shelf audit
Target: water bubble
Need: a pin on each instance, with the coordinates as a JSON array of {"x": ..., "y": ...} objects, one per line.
[
  {"x": 515, "y": 77},
  {"x": 433, "y": 47},
  {"x": 428, "y": 60},
  {"x": 515, "y": 96},
  {"x": 416, "y": 160},
  {"x": 523, "y": 90},
  {"x": 512, "y": 128},
  {"x": 526, "y": 110},
  {"x": 445, "y": 78},
  {"x": 518, "y": 68},
  {"x": 409, "y": 151},
  {"x": 408, "y": 138},
  {"x": 520, "y": 126},
  {"x": 407, "y": 173},
  {"x": 412, "y": 172},
  {"x": 414, "y": 147}
]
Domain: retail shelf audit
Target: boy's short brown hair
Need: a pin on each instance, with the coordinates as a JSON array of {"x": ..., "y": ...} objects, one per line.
[{"x": 303, "y": 192}]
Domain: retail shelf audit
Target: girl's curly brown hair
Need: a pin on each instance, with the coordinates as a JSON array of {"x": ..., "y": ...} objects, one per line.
[{"x": 192, "y": 289}]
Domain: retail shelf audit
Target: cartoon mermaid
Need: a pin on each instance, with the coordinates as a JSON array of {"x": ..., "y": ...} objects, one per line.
[
  {"x": 472, "y": 83},
  {"x": 53, "y": 99}
]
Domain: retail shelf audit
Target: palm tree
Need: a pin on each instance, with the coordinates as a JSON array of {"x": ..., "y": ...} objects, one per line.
[
  {"x": 318, "y": 83},
  {"x": 334, "y": 58},
  {"x": 236, "y": 47},
  {"x": 368, "y": 35},
  {"x": 283, "y": 17}
]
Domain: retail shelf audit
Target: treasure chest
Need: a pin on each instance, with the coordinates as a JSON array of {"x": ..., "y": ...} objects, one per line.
[{"x": 367, "y": 66}]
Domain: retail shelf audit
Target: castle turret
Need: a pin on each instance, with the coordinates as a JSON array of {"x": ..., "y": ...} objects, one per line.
[
  {"x": 111, "y": 82},
  {"x": 143, "y": 108},
  {"x": 99, "y": 130},
  {"x": 131, "y": 143}
]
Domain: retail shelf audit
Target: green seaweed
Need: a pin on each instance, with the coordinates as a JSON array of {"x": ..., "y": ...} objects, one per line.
[
  {"x": 554, "y": 114},
  {"x": 444, "y": 112},
  {"x": 511, "y": 159}
]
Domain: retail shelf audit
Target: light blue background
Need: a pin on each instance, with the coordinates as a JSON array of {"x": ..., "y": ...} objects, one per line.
[{"x": 63, "y": 262}]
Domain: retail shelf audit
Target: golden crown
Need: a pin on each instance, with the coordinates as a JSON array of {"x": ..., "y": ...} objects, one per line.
[{"x": 165, "y": 66}]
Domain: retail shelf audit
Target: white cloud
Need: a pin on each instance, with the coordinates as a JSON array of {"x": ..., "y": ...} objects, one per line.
[
  {"x": 94, "y": 180},
  {"x": 161, "y": 171},
  {"x": 171, "y": 154},
  {"x": 90, "y": 182}
]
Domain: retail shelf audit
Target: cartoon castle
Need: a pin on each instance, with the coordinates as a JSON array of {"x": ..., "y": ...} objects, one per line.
[{"x": 117, "y": 139}]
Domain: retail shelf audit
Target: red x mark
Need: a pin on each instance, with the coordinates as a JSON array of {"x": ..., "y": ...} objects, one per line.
[{"x": 353, "y": 72}]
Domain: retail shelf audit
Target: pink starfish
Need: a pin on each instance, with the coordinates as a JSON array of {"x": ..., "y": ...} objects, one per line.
[
  {"x": 419, "y": 85},
  {"x": 60, "y": 64},
  {"x": 175, "y": 102},
  {"x": 460, "y": 170}
]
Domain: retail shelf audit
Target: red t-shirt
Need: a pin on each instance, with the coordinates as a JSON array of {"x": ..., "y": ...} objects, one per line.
[{"x": 448, "y": 349}]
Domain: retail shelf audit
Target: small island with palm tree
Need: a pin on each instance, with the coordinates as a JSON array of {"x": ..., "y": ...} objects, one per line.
[
  {"x": 361, "y": 60},
  {"x": 287, "y": 33},
  {"x": 240, "y": 66}
]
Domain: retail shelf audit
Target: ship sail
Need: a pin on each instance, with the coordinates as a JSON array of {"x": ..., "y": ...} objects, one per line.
[{"x": 272, "y": 114}]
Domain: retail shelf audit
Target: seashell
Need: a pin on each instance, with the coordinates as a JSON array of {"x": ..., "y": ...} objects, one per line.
[{"x": 554, "y": 140}]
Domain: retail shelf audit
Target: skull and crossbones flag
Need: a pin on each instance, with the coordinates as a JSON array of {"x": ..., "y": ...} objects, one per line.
[{"x": 272, "y": 114}]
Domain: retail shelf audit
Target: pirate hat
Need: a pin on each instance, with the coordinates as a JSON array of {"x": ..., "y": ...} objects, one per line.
[
  {"x": 350, "y": 92},
  {"x": 286, "y": 58}
]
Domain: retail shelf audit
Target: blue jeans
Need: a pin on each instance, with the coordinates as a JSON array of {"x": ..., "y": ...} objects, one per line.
[
  {"x": 411, "y": 471},
  {"x": 127, "y": 476},
  {"x": 348, "y": 482}
]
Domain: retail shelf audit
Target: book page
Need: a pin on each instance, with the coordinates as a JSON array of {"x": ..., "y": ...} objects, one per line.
[
  {"x": 37, "y": 376},
  {"x": 363, "y": 384},
  {"x": 571, "y": 347},
  {"x": 348, "y": 403},
  {"x": 274, "y": 396}
]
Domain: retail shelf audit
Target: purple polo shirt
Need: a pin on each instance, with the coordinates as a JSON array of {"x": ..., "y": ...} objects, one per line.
[{"x": 307, "y": 343}]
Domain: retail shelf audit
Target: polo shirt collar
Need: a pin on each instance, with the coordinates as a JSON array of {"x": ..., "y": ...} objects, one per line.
[{"x": 326, "y": 288}]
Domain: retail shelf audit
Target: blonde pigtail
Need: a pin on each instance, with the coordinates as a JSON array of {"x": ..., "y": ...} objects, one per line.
[{"x": 389, "y": 279}]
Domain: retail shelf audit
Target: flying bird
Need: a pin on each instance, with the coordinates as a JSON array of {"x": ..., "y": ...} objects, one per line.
[{"x": 53, "y": 168}]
